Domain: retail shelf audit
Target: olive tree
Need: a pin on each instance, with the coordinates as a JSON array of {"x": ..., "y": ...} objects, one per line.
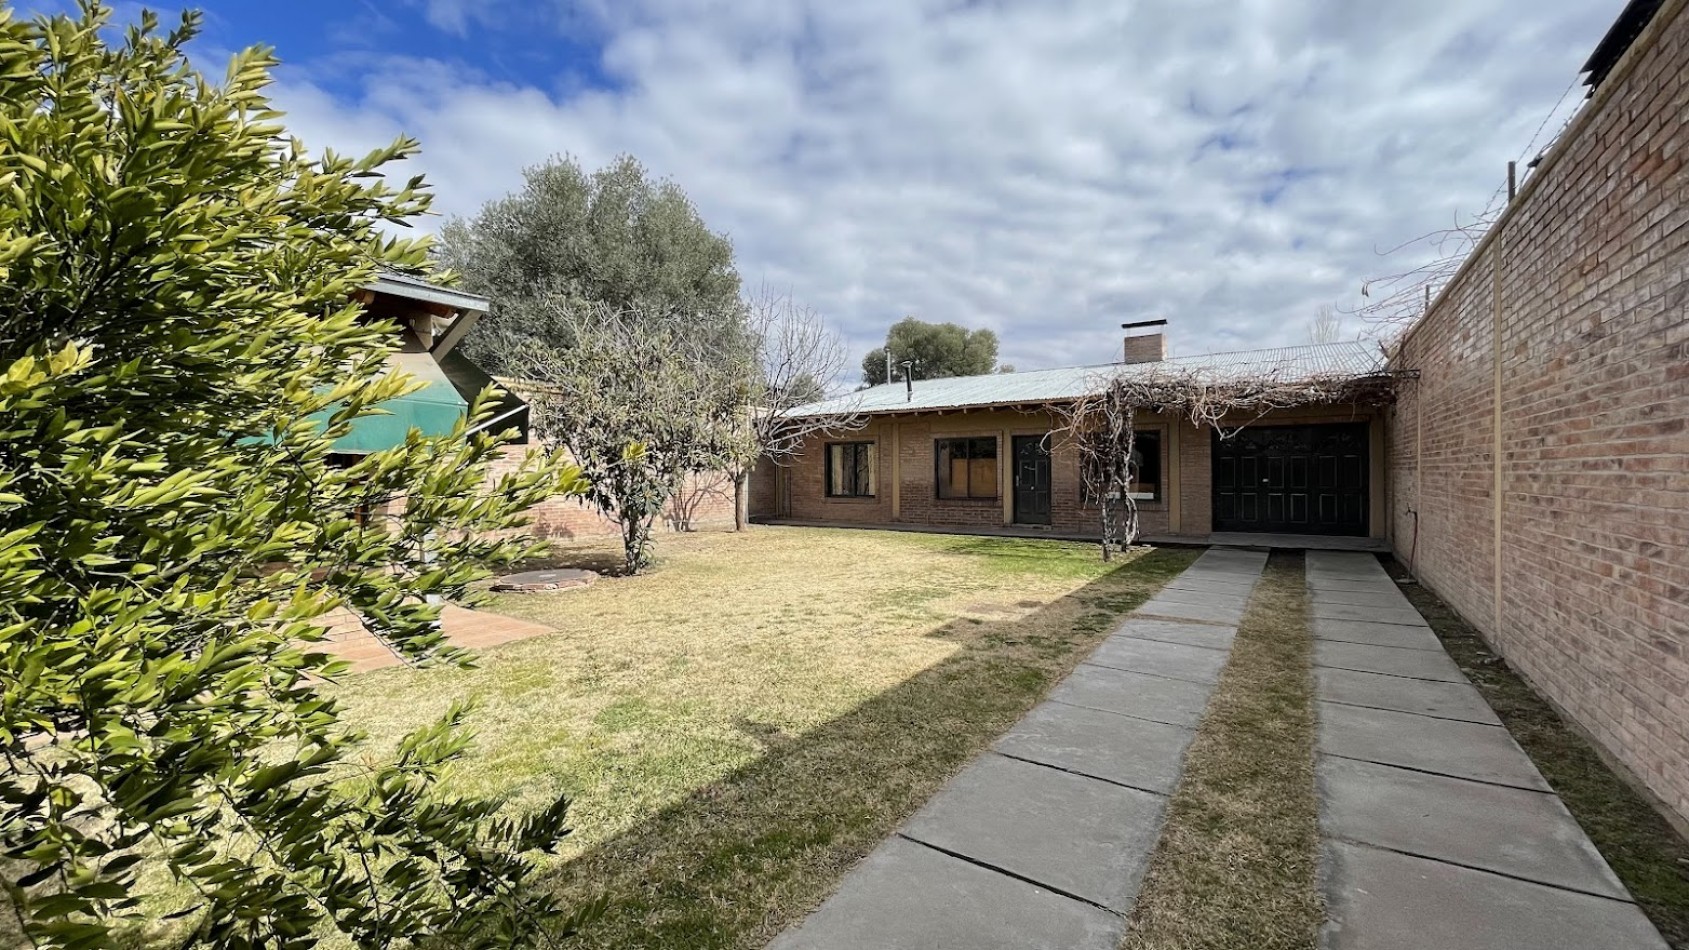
[
  {"x": 615, "y": 237},
  {"x": 178, "y": 355},
  {"x": 937, "y": 350}
]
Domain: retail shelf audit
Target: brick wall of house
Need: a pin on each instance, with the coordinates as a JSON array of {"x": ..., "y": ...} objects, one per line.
[
  {"x": 904, "y": 453},
  {"x": 1575, "y": 310},
  {"x": 799, "y": 491},
  {"x": 705, "y": 501},
  {"x": 764, "y": 502}
]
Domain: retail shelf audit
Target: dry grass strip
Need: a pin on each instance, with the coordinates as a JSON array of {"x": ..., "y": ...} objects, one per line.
[
  {"x": 1646, "y": 853},
  {"x": 1235, "y": 867}
]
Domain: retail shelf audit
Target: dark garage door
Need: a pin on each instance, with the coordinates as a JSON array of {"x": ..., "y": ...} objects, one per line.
[{"x": 1292, "y": 479}]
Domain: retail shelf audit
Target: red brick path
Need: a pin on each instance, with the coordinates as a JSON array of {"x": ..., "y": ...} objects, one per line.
[{"x": 470, "y": 629}]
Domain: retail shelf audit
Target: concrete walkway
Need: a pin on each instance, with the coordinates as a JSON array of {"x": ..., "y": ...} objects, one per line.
[
  {"x": 1438, "y": 830},
  {"x": 1291, "y": 542},
  {"x": 1043, "y": 841}
]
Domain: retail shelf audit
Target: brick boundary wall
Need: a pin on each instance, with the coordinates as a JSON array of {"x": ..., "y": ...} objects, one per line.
[{"x": 1539, "y": 465}]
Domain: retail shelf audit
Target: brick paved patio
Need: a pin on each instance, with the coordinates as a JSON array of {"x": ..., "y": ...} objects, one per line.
[{"x": 470, "y": 629}]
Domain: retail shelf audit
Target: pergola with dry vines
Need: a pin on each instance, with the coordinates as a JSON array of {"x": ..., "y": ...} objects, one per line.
[{"x": 1102, "y": 424}]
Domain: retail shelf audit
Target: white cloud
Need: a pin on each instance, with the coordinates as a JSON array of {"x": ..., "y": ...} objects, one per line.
[{"x": 1046, "y": 169}]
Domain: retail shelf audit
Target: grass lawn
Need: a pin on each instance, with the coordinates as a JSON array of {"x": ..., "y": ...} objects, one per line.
[
  {"x": 1235, "y": 867},
  {"x": 742, "y": 724}
]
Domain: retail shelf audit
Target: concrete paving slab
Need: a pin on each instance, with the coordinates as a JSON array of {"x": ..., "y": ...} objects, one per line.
[
  {"x": 1380, "y": 582},
  {"x": 1511, "y": 831},
  {"x": 1378, "y": 900},
  {"x": 1172, "y": 631},
  {"x": 1227, "y": 614},
  {"x": 1232, "y": 555},
  {"x": 1180, "y": 661},
  {"x": 1352, "y": 584},
  {"x": 1215, "y": 583},
  {"x": 1237, "y": 597},
  {"x": 1077, "y": 835},
  {"x": 1366, "y": 569},
  {"x": 1222, "y": 572},
  {"x": 1405, "y": 616},
  {"x": 906, "y": 896},
  {"x": 1155, "y": 698},
  {"x": 1445, "y": 700},
  {"x": 1222, "y": 548},
  {"x": 1232, "y": 559},
  {"x": 1391, "y": 598},
  {"x": 1419, "y": 664},
  {"x": 1460, "y": 749},
  {"x": 1378, "y": 634},
  {"x": 1334, "y": 563},
  {"x": 1340, "y": 558},
  {"x": 1216, "y": 560},
  {"x": 1103, "y": 745}
]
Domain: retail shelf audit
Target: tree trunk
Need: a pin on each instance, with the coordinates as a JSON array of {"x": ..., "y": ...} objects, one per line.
[{"x": 741, "y": 499}]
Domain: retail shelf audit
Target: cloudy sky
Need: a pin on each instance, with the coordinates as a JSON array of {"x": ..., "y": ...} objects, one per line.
[{"x": 1045, "y": 168}]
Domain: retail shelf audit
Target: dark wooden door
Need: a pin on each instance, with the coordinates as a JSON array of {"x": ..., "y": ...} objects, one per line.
[
  {"x": 1032, "y": 480},
  {"x": 1293, "y": 480}
]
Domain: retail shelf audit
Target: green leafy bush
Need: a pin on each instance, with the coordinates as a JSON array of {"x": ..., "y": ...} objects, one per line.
[{"x": 178, "y": 352}]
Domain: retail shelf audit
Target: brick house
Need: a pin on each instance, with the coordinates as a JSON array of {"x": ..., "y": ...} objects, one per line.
[{"x": 988, "y": 452}]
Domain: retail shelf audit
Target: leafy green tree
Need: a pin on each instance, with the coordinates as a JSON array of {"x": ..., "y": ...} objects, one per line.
[
  {"x": 938, "y": 349},
  {"x": 615, "y": 238},
  {"x": 589, "y": 273},
  {"x": 178, "y": 354},
  {"x": 631, "y": 405}
]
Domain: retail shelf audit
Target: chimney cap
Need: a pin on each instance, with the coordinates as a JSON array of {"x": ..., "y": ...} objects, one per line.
[{"x": 1143, "y": 323}]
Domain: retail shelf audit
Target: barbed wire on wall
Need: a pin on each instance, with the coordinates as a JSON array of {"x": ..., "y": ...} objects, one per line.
[{"x": 1393, "y": 301}]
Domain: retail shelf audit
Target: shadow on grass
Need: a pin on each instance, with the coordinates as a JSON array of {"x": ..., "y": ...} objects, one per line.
[
  {"x": 743, "y": 857},
  {"x": 605, "y": 559}
]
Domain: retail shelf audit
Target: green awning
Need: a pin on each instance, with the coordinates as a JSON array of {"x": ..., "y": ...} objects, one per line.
[{"x": 433, "y": 409}]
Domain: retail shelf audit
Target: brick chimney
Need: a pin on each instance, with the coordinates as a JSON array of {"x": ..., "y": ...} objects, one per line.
[{"x": 1145, "y": 347}]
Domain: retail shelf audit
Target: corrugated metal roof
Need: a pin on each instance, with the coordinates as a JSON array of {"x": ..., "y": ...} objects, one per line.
[
  {"x": 1061, "y": 385},
  {"x": 415, "y": 288}
]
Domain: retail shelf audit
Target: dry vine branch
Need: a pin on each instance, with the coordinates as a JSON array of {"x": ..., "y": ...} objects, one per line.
[
  {"x": 797, "y": 357},
  {"x": 1394, "y": 301},
  {"x": 1102, "y": 425}
]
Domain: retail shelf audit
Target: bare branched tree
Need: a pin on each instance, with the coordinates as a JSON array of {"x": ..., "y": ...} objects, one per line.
[
  {"x": 797, "y": 356},
  {"x": 1102, "y": 425},
  {"x": 1327, "y": 326},
  {"x": 637, "y": 403}
]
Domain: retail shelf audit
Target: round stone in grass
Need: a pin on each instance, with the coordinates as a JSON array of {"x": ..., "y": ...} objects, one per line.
[{"x": 540, "y": 582}]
